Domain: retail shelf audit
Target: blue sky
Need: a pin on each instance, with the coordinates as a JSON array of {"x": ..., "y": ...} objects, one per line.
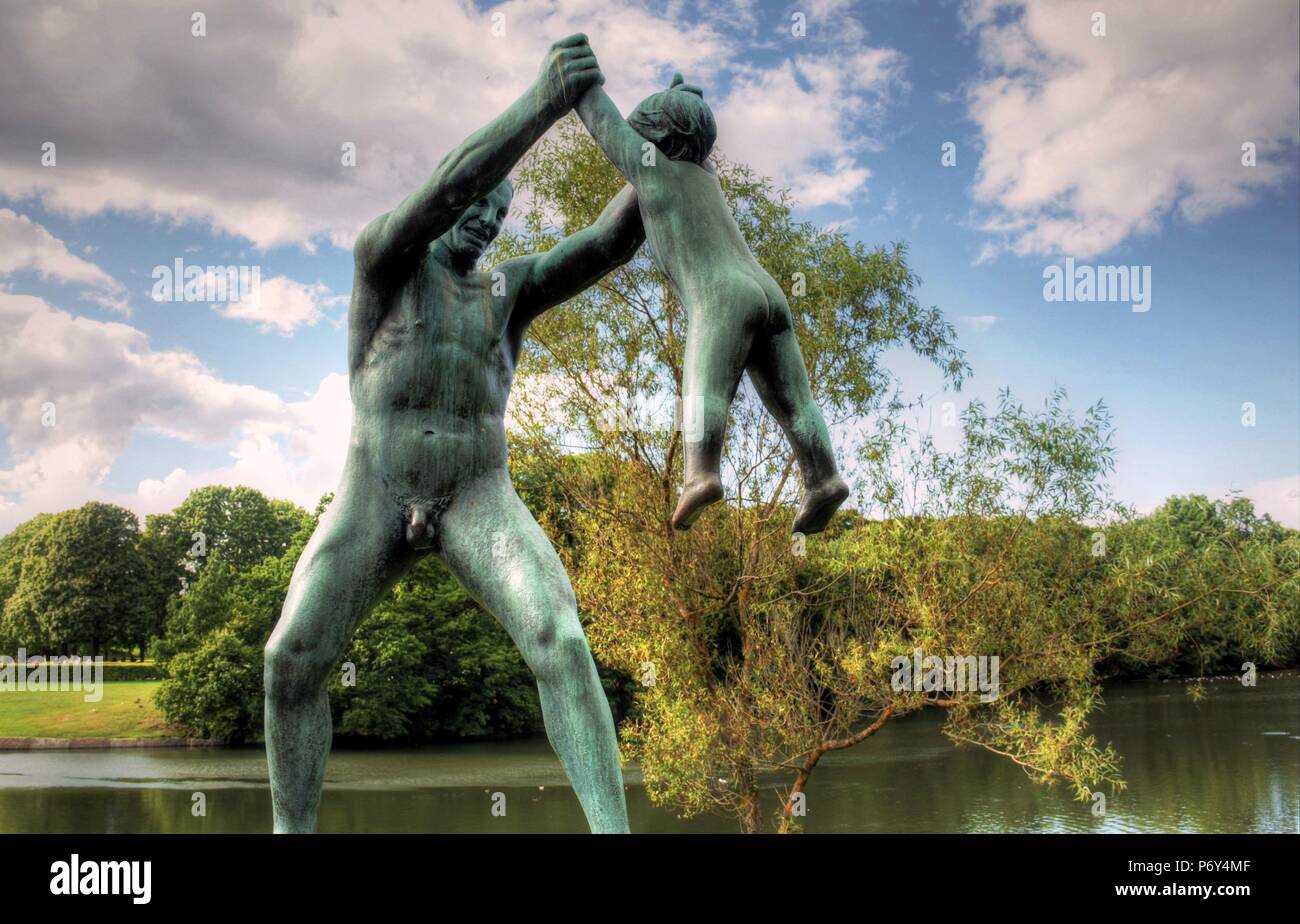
[{"x": 1122, "y": 148}]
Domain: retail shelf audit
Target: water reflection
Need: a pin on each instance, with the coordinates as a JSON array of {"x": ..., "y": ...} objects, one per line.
[{"x": 1230, "y": 763}]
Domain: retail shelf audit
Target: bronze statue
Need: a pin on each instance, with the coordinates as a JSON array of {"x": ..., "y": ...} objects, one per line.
[
  {"x": 738, "y": 318},
  {"x": 432, "y": 347}
]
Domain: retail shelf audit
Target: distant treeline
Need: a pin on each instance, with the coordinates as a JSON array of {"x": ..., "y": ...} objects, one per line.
[{"x": 199, "y": 589}]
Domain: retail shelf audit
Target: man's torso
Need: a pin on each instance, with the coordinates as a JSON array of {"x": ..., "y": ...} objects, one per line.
[{"x": 430, "y": 383}]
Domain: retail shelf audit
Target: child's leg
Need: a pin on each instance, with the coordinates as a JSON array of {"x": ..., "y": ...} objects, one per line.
[
  {"x": 776, "y": 368},
  {"x": 717, "y": 344}
]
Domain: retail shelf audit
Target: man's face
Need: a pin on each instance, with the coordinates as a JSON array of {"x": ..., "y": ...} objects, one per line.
[{"x": 479, "y": 224}]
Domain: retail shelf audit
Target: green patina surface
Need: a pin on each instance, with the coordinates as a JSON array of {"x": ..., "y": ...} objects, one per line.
[
  {"x": 740, "y": 319},
  {"x": 432, "y": 348}
]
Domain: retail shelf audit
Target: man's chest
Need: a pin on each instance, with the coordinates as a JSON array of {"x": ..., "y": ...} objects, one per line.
[{"x": 436, "y": 315}]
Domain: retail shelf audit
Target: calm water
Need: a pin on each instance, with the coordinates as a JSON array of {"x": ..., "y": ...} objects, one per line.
[{"x": 1228, "y": 764}]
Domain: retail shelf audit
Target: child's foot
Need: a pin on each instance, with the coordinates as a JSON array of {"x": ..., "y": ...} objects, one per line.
[
  {"x": 819, "y": 504},
  {"x": 697, "y": 495}
]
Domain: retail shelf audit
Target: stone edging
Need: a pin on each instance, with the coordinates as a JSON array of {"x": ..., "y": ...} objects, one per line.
[{"x": 79, "y": 744}]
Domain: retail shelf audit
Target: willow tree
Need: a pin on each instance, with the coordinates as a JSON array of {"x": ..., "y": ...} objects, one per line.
[{"x": 755, "y": 652}]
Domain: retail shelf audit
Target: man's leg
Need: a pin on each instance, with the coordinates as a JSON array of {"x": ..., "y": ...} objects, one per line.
[
  {"x": 356, "y": 553},
  {"x": 498, "y": 552}
]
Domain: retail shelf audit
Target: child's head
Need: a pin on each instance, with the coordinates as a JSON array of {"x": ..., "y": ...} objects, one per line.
[{"x": 678, "y": 121}]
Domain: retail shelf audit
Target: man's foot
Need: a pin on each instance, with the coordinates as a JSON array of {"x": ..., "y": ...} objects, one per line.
[
  {"x": 697, "y": 495},
  {"x": 819, "y": 504}
]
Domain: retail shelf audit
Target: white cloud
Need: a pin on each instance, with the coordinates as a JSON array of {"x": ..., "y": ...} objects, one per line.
[
  {"x": 242, "y": 129},
  {"x": 151, "y": 488},
  {"x": 801, "y": 122},
  {"x": 1091, "y": 140},
  {"x": 282, "y": 305},
  {"x": 979, "y": 322},
  {"x": 74, "y": 390},
  {"x": 105, "y": 383},
  {"x": 297, "y": 456},
  {"x": 110, "y": 301},
  {"x": 988, "y": 253},
  {"x": 28, "y": 246}
]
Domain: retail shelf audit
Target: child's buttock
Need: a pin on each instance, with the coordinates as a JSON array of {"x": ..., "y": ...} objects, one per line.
[{"x": 749, "y": 299}]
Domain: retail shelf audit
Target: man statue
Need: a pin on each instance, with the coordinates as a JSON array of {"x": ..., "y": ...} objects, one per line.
[{"x": 432, "y": 348}]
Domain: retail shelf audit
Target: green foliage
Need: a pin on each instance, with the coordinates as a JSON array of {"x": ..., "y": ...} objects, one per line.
[
  {"x": 240, "y": 523},
  {"x": 80, "y": 584},
  {"x": 214, "y": 691},
  {"x": 429, "y": 663},
  {"x": 13, "y": 549},
  {"x": 432, "y": 664},
  {"x": 764, "y": 657},
  {"x": 685, "y": 603},
  {"x": 619, "y": 345},
  {"x": 1228, "y": 577},
  {"x": 202, "y": 609}
]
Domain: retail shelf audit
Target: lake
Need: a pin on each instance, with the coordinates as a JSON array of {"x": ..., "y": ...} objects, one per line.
[{"x": 1230, "y": 763}]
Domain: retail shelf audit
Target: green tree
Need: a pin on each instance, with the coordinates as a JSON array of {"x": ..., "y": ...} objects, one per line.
[
  {"x": 238, "y": 525},
  {"x": 214, "y": 691},
  {"x": 13, "y": 549},
  {"x": 224, "y": 617},
  {"x": 601, "y": 378},
  {"x": 1232, "y": 575},
  {"x": 81, "y": 583},
  {"x": 241, "y": 523},
  {"x": 428, "y": 662}
]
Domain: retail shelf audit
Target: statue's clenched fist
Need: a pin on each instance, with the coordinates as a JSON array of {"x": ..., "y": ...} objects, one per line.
[{"x": 568, "y": 71}]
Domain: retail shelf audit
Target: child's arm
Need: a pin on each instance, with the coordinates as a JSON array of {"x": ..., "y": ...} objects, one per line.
[{"x": 620, "y": 141}]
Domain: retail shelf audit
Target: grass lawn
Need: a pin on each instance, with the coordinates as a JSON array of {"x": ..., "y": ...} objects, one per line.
[{"x": 125, "y": 711}]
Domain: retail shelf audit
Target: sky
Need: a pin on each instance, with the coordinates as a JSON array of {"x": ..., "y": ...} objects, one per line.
[{"x": 997, "y": 138}]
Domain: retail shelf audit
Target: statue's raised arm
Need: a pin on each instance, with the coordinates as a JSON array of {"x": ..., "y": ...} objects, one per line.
[{"x": 479, "y": 164}]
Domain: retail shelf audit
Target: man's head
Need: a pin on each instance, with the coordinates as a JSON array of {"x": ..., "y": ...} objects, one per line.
[
  {"x": 678, "y": 121},
  {"x": 479, "y": 224}
]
